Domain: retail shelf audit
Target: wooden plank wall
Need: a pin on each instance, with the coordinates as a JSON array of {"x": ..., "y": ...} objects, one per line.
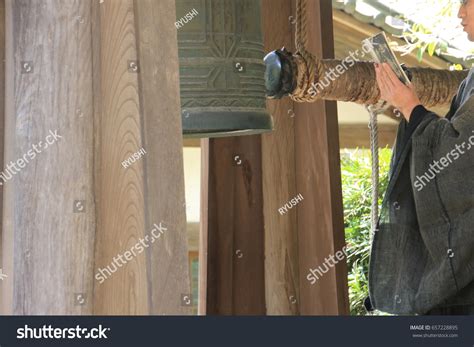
[{"x": 105, "y": 75}]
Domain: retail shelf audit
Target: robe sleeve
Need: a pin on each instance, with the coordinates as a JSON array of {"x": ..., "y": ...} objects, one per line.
[{"x": 442, "y": 175}]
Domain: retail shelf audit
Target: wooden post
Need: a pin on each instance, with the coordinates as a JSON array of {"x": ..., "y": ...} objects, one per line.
[
  {"x": 141, "y": 112},
  {"x": 3, "y": 288},
  {"x": 318, "y": 179},
  {"x": 105, "y": 75},
  {"x": 233, "y": 252},
  {"x": 302, "y": 157},
  {"x": 279, "y": 179},
  {"x": 49, "y": 212}
]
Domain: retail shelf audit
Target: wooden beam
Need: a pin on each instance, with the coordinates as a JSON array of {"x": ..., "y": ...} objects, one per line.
[
  {"x": 204, "y": 228},
  {"x": 233, "y": 213},
  {"x": 88, "y": 70},
  {"x": 49, "y": 212},
  {"x": 141, "y": 111},
  {"x": 4, "y": 293},
  {"x": 318, "y": 179},
  {"x": 358, "y": 135},
  {"x": 279, "y": 179},
  {"x": 192, "y": 142},
  {"x": 302, "y": 157},
  {"x": 164, "y": 172}
]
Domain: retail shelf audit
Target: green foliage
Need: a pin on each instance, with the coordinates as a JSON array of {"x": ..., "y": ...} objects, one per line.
[
  {"x": 424, "y": 30},
  {"x": 357, "y": 188}
]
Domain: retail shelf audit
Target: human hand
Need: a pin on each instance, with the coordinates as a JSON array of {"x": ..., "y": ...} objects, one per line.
[{"x": 394, "y": 91}]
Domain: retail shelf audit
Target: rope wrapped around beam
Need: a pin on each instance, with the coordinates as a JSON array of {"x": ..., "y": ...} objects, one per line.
[
  {"x": 315, "y": 80},
  {"x": 357, "y": 83}
]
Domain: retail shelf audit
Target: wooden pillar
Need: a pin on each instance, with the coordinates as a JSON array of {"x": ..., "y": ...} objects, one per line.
[
  {"x": 232, "y": 245},
  {"x": 3, "y": 288},
  {"x": 140, "y": 109},
  {"x": 318, "y": 179},
  {"x": 48, "y": 248},
  {"x": 279, "y": 179},
  {"x": 105, "y": 76},
  {"x": 302, "y": 157}
]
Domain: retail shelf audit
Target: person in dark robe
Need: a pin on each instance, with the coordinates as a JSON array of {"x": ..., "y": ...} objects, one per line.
[{"x": 422, "y": 257}]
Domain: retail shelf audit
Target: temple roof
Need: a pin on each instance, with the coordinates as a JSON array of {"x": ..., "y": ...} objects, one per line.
[{"x": 396, "y": 16}]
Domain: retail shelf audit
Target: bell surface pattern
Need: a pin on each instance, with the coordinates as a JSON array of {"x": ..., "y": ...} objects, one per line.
[{"x": 221, "y": 68}]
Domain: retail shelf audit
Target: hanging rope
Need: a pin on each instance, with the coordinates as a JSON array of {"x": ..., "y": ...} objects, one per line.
[
  {"x": 374, "y": 149},
  {"x": 301, "y": 27},
  {"x": 305, "y": 61}
]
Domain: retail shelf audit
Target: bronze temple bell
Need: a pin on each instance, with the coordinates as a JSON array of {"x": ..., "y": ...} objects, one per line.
[{"x": 221, "y": 68}]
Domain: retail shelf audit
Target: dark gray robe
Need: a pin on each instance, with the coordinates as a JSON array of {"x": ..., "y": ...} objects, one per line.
[{"x": 423, "y": 251}]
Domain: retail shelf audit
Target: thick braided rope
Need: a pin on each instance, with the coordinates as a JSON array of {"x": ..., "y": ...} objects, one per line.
[
  {"x": 301, "y": 26},
  {"x": 434, "y": 87},
  {"x": 306, "y": 62}
]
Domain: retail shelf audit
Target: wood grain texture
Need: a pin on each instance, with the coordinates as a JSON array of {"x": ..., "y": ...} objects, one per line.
[
  {"x": 121, "y": 194},
  {"x": 279, "y": 179},
  {"x": 3, "y": 288},
  {"x": 204, "y": 228},
  {"x": 235, "y": 234},
  {"x": 164, "y": 170},
  {"x": 318, "y": 177},
  {"x": 82, "y": 84},
  {"x": 358, "y": 135},
  {"x": 140, "y": 109},
  {"x": 48, "y": 248}
]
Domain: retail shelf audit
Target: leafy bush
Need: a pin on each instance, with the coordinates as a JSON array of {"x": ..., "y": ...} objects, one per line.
[{"x": 356, "y": 189}]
